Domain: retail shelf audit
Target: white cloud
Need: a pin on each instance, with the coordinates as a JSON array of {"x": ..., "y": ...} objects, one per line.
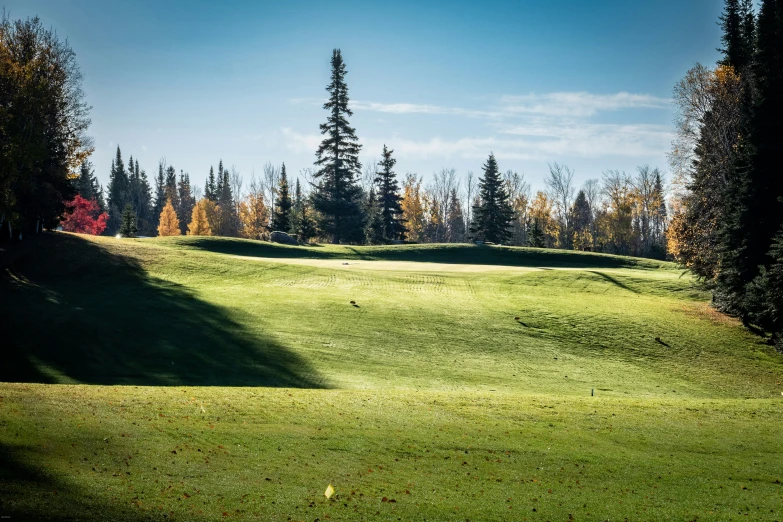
[
  {"x": 538, "y": 127},
  {"x": 578, "y": 104}
]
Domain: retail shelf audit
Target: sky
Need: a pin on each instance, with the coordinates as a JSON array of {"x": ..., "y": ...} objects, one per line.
[{"x": 582, "y": 83}]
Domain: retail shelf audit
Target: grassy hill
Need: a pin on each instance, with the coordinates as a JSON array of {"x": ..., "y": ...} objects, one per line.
[{"x": 460, "y": 410}]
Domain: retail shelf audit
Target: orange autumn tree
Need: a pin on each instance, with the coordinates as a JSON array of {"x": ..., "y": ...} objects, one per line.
[
  {"x": 199, "y": 220},
  {"x": 169, "y": 224},
  {"x": 253, "y": 216}
]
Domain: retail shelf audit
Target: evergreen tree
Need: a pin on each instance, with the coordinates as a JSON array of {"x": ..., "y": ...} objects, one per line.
[
  {"x": 227, "y": 212},
  {"x": 581, "y": 218},
  {"x": 281, "y": 217},
  {"x": 86, "y": 184},
  {"x": 186, "y": 201},
  {"x": 455, "y": 225},
  {"x": 337, "y": 194},
  {"x": 118, "y": 193},
  {"x": 160, "y": 191},
  {"x": 535, "y": 236},
  {"x": 389, "y": 198},
  {"x": 128, "y": 222},
  {"x": 210, "y": 188},
  {"x": 170, "y": 187},
  {"x": 302, "y": 222},
  {"x": 374, "y": 230},
  {"x": 169, "y": 223},
  {"x": 493, "y": 215},
  {"x": 755, "y": 196}
]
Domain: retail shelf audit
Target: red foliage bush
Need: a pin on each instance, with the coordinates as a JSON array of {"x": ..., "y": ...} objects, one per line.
[{"x": 84, "y": 216}]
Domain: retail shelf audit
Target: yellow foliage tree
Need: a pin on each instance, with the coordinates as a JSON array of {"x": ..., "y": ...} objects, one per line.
[
  {"x": 169, "y": 224},
  {"x": 541, "y": 210},
  {"x": 413, "y": 211},
  {"x": 199, "y": 219},
  {"x": 254, "y": 216}
]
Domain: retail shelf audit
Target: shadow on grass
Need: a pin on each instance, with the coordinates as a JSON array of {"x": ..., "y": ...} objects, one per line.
[
  {"x": 433, "y": 253},
  {"x": 614, "y": 281},
  {"x": 32, "y": 494},
  {"x": 75, "y": 312}
]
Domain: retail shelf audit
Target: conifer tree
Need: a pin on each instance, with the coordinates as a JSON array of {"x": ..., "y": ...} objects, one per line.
[
  {"x": 160, "y": 191},
  {"x": 302, "y": 221},
  {"x": 186, "y": 201},
  {"x": 455, "y": 225},
  {"x": 493, "y": 215},
  {"x": 227, "y": 212},
  {"x": 118, "y": 193},
  {"x": 86, "y": 184},
  {"x": 210, "y": 189},
  {"x": 128, "y": 222},
  {"x": 374, "y": 229},
  {"x": 389, "y": 198},
  {"x": 337, "y": 193},
  {"x": 169, "y": 223},
  {"x": 170, "y": 188},
  {"x": 199, "y": 223},
  {"x": 281, "y": 218},
  {"x": 536, "y": 237},
  {"x": 755, "y": 195}
]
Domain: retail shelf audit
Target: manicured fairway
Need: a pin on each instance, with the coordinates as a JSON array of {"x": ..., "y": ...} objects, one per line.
[{"x": 249, "y": 361}]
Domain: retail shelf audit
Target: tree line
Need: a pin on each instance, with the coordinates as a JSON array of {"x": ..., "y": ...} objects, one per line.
[{"x": 727, "y": 223}]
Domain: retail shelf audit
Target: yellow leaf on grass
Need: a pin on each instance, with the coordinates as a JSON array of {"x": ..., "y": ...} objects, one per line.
[{"x": 329, "y": 491}]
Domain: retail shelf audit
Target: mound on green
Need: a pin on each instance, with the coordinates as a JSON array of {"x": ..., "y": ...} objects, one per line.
[{"x": 435, "y": 395}]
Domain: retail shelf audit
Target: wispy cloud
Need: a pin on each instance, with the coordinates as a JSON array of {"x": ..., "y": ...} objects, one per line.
[
  {"x": 538, "y": 127},
  {"x": 578, "y": 104}
]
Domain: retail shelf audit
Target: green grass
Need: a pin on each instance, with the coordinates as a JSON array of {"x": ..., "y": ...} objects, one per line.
[{"x": 460, "y": 411}]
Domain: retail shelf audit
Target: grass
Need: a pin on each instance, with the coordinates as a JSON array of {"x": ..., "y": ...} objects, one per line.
[{"x": 248, "y": 360}]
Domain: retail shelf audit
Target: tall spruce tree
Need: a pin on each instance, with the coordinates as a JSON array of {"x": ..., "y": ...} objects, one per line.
[
  {"x": 210, "y": 188},
  {"x": 337, "y": 194},
  {"x": 755, "y": 196},
  {"x": 389, "y": 198},
  {"x": 281, "y": 217},
  {"x": 493, "y": 214},
  {"x": 86, "y": 184},
  {"x": 186, "y": 201},
  {"x": 228, "y": 218},
  {"x": 118, "y": 193},
  {"x": 374, "y": 229}
]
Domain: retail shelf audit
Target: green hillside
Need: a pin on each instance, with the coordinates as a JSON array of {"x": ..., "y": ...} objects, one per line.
[{"x": 461, "y": 376}]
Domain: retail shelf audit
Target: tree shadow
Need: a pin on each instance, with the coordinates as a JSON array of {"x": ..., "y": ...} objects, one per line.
[
  {"x": 75, "y": 312},
  {"x": 614, "y": 281},
  {"x": 453, "y": 253}
]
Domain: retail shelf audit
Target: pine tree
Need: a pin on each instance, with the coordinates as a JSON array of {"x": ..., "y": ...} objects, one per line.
[
  {"x": 374, "y": 230},
  {"x": 199, "y": 223},
  {"x": 493, "y": 215},
  {"x": 456, "y": 220},
  {"x": 535, "y": 236},
  {"x": 229, "y": 221},
  {"x": 281, "y": 218},
  {"x": 389, "y": 198},
  {"x": 186, "y": 201},
  {"x": 118, "y": 193},
  {"x": 160, "y": 192},
  {"x": 86, "y": 184},
  {"x": 581, "y": 216},
  {"x": 302, "y": 222},
  {"x": 169, "y": 223},
  {"x": 210, "y": 189},
  {"x": 128, "y": 222},
  {"x": 755, "y": 195},
  {"x": 337, "y": 194}
]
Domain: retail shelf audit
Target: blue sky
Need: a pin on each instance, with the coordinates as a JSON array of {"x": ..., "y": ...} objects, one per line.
[{"x": 584, "y": 83}]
